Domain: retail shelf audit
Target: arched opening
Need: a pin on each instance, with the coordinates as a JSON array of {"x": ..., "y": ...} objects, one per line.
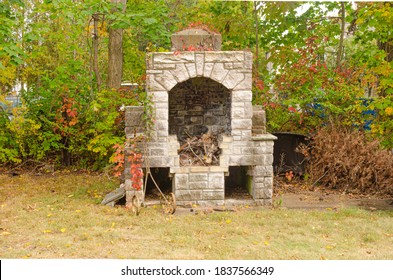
[
  {"x": 197, "y": 106},
  {"x": 199, "y": 112}
]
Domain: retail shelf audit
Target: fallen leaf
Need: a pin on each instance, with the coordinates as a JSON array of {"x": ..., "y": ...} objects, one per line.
[
  {"x": 266, "y": 243},
  {"x": 5, "y": 233},
  {"x": 63, "y": 230},
  {"x": 47, "y": 231}
]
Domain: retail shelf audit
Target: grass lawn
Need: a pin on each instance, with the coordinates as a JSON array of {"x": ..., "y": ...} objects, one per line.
[{"x": 61, "y": 217}]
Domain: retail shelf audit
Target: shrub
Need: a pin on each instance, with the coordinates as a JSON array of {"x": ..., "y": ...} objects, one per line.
[{"x": 346, "y": 160}]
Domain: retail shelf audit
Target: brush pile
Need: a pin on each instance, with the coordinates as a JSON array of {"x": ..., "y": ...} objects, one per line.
[
  {"x": 346, "y": 160},
  {"x": 200, "y": 150}
]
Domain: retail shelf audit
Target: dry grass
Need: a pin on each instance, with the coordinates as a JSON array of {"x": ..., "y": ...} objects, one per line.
[{"x": 60, "y": 217}]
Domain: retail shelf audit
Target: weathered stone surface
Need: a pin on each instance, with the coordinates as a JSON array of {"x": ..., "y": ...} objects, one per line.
[
  {"x": 166, "y": 79},
  {"x": 241, "y": 124},
  {"x": 241, "y": 96},
  {"x": 246, "y": 83},
  {"x": 213, "y": 195},
  {"x": 233, "y": 79},
  {"x": 221, "y": 103},
  {"x": 191, "y": 69},
  {"x": 196, "y": 38},
  {"x": 248, "y": 60},
  {"x": 199, "y": 63},
  {"x": 152, "y": 84},
  {"x": 224, "y": 57},
  {"x": 180, "y": 73},
  {"x": 219, "y": 72},
  {"x": 188, "y": 195},
  {"x": 170, "y": 57},
  {"x": 216, "y": 180},
  {"x": 198, "y": 177},
  {"x": 164, "y": 66},
  {"x": 180, "y": 182},
  {"x": 207, "y": 70},
  {"x": 159, "y": 96},
  {"x": 134, "y": 116},
  {"x": 197, "y": 185}
]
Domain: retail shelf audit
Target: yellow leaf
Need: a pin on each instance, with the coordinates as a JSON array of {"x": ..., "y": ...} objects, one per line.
[
  {"x": 63, "y": 230},
  {"x": 78, "y": 211},
  {"x": 228, "y": 221},
  {"x": 5, "y": 233},
  {"x": 49, "y": 215},
  {"x": 47, "y": 231},
  {"x": 71, "y": 195},
  {"x": 113, "y": 225},
  {"x": 266, "y": 243}
]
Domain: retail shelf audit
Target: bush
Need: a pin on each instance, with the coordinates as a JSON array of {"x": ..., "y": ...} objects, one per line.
[{"x": 346, "y": 160}]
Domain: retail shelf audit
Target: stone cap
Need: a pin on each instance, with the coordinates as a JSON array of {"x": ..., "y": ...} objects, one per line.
[{"x": 196, "y": 39}]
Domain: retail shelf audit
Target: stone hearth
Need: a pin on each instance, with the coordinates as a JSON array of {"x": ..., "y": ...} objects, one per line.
[{"x": 204, "y": 91}]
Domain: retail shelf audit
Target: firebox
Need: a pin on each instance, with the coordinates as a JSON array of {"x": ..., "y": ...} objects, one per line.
[{"x": 205, "y": 122}]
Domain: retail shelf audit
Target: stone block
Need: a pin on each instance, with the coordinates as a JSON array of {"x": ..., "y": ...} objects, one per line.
[
  {"x": 246, "y": 135},
  {"x": 188, "y": 195},
  {"x": 134, "y": 116},
  {"x": 237, "y": 113},
  {"x": 164, "y": 66},
  {"x": 191, "y": 68},
  {"x": 180, "y": 73},
  {"x": 233, "y": 65},
  {"x": 197, "y": 177},
  {"x": 241, "y": 124},
  {"x": 241, "y": 96},
  {"x": 161, "y": 113},
  {"x": 180, "y": 181},
  {"x": 158, "y": 152},
  {"x": 213, "y": 195},
  {"x": 224, "y": 57},
  {"x": 197, "y": 185},
  {"x": 207, "y": 70},
  {"x": 166, "y": 79},
  {"x": 248, "y": 60},
  {"x": 152, "y": 84},
  {"x": 159, "y": 96},
  {"x": 246, "y": 83},
  {"x": 161, "y": 161},
  {"x": 196, "y": 38},
  {"x": 216, "y": 180},
  {"x": 170, "y": 57},
  {"x": 233, "y": 79},
  {"x": 161, "y": 125},
  {"x": 219, "y": 72},
  {"x": 199, "y": 63}
]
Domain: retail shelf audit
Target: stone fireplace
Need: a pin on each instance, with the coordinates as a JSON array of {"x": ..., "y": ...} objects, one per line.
[{"x": 198, "y": 91}]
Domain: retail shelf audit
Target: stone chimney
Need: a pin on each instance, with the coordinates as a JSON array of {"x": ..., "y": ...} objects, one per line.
[{"x": 195, "y": 39}]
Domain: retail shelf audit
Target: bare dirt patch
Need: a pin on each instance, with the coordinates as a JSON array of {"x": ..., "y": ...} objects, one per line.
[{"x": 297, "y": 195}]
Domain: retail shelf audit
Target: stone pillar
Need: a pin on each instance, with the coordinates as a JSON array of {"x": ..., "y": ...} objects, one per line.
[{"x": 258, "y": 120}]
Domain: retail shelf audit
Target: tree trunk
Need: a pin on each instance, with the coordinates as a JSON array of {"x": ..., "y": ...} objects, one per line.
[
  {"x": 96, "y": 18},
  {"x": 256, "y": 36},
  {"x": 115, "y": 53},
  {"x": 341, "y": 44}
]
